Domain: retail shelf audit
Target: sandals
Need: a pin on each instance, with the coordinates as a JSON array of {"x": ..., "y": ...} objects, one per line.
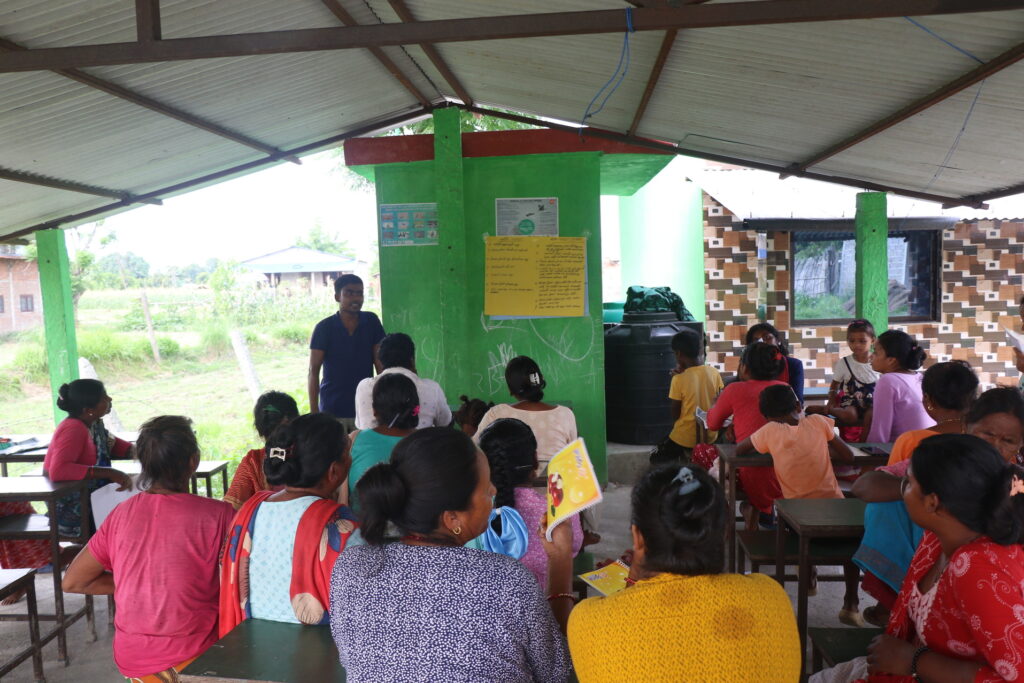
[{"x": 851, "y": 617}]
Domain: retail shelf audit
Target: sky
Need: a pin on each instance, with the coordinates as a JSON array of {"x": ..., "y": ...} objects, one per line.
[{"x": 249, "y": 216}]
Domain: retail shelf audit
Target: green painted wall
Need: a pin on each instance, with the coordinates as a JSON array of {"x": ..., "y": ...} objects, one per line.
[
  {"x": 662, "y": 237},
  {"x": 418, "y": 287},
  {"x": 58, "y": 311},
  {"x": 872, "y": 258}
]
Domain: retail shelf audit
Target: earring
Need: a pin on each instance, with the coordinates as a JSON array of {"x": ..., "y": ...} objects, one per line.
[{"x": 457, "y": 530}]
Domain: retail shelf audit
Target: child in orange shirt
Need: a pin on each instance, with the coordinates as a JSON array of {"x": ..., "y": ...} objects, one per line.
[{"x": 802, "y": 447}]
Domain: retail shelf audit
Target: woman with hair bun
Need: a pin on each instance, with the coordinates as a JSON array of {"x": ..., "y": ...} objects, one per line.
[
  {"x": 554, "y": 426},
  {"x": 272, "y": 409},
  {"x": 958, "y": 614},
  {"x": 793, "y": 370},
  {"x": 681, "y": 618},
  {"x": 421, "y": 606},
  {"x": 81, "y": 448},
  {"x": 308, "y": 457},
  {"x": 897, "y": 404}
]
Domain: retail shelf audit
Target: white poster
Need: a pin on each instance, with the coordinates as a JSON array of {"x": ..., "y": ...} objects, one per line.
[{"x": 526, "y": 217}]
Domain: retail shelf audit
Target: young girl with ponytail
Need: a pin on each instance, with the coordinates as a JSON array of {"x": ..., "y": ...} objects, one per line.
[
  {"x": 898, "y": 405},
  {"x": 417, "y": 604},
  {"x": 308, "y": 457},
  {"x": 273, "y": 408}
]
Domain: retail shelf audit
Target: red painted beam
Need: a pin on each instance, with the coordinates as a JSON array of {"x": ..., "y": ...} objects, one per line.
[{"x": 404, "y": 148}]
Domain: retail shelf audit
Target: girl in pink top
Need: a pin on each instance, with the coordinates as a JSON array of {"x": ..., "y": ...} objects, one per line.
[
  {"x": 760, "y": 365},
  {"x": 897, "y": 401},
  {"x": 511, "y": 450},
  {"x": 158, "y": 553}
]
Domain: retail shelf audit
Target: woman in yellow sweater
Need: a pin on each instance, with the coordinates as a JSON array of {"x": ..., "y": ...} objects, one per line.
[{"x": 682, "y": 619}]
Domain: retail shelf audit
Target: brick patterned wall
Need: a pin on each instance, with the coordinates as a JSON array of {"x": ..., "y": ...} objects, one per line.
[
  {"x": 982, "y": 275},
  {"x": 19, "y": 276}
]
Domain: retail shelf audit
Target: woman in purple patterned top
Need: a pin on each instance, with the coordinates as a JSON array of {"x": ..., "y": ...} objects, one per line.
[{"x": 421, "y": 607}]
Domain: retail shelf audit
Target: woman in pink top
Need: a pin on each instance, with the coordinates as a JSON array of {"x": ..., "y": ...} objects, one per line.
[
  {"x": 760, "y": 364},
  {"x": 897, "y": 403},
  {"x": 157, "y": 553},
  {"x": 511, "y": 450},
  {"x": 82, "y": 449}
]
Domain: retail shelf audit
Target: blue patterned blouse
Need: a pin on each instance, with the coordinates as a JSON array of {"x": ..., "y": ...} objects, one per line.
[{"x": 423, "y": 613}]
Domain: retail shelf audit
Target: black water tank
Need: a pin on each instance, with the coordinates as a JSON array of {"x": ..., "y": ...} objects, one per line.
[{"x": 638, "y": 357}]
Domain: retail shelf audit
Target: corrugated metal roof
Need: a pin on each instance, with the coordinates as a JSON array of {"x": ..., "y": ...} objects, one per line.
[
  {"x": 299, "y": 260},
  {"x": 773, "y": 94}
]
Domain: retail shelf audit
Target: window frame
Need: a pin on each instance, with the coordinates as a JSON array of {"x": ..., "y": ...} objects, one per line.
[
  {"x": 935, "y": 284},
  {"x": 30, "y": 299},
  {"x": 2, "y": 309}
]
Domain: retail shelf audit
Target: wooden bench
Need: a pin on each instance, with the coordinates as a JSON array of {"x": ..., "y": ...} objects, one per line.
[
  {"x": 831, "y": 646},
  {"x": 14, "y": 581},
  {"x": 760, "y": 548},
  {"x": 271, "y": 652}
]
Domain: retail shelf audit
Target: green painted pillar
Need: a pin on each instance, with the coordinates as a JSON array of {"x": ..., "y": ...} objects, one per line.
[
  {"x": 872, "y": 256},
  {"x": 452, "y": 273},
  {"x": 58, "y": 310}
]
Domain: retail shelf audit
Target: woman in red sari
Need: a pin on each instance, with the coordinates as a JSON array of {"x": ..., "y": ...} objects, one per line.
[
  {"x": 960, "y": 612},
  {"x": 273, "y": 409}
]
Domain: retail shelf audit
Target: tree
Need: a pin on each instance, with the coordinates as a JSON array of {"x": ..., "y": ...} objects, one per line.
[{"x": 319, "y": 239}]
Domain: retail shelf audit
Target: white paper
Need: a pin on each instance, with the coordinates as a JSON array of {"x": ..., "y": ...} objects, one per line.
[
  {"x": 1015, "y": 339},
  {"x": 104, "y": 499},
  {"x": 526, "y": 216},
  {"x": 702, "y": 416}
]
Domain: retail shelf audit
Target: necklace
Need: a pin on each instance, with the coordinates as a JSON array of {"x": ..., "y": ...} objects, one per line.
[{"x": 951, "y": 419}]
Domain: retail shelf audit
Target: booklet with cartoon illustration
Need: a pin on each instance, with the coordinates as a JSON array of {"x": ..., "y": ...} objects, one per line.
[
  {"x": 609, "y": 579},
  {"x": 572, "y": 484}
]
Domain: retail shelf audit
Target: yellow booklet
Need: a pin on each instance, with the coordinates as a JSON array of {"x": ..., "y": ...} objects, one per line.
[
  {"x": 572, "y": 484},
  {"x": 608, "y": 580}
]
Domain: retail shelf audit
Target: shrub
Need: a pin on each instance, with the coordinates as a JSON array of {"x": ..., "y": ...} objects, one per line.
[
  {"x": 10, "y": 385},
  {"x": 30, "y": 360},
  {"x": 104, "y": 346},
  {"x": 292, "y": 333},
  {"x": 214, "y": 339},
  {"x": 167, "y": 346}
]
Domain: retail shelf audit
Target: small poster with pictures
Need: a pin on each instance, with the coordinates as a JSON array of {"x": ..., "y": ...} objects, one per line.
[
  {"x": 408, "y": 225},
  {"x": 573, "y": 485},
  {"x": 526, "y": 217}
]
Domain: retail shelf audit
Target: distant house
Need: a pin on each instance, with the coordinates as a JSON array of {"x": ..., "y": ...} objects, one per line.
[
  {"x": 21, "y": 302},
  {"x": 298, "y": 267}
]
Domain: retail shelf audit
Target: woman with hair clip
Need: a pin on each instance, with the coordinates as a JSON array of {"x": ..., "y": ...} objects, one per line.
[
  {"x": 396, "y": 409},
  {"x": 157, "y": 554},
  {"x": 81, "y": 448},
  {"x": 793, "y": 370},
  {"x": 309, "y": 458},
  {"x": 554, "y": 426},
  {"x": 897, "y": 404},
  {"x": 680, "y": 617},
  {"x": 421, "y": 606},
  {"x": 958, "y": 614},
  {"x": 272, "y": 409}
]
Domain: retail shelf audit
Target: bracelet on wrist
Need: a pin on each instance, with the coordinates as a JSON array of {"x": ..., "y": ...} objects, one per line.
[
  {"x": 913, "y": 662},
  {"x": 562, "y": 595}
]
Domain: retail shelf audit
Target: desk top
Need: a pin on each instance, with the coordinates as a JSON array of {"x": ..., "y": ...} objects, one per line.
[
  {"x": 823, "y": 517},
  {"x": 14, "y": 580},
  {"x": 727, "y": 452},
  {"x": 35, "y": 488},
  {"x": 259, "y": 650},
  {"x": 135, "y": 467}
]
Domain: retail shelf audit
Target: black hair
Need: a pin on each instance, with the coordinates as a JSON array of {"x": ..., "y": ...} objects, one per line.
[
  {"x": 472, "y": 411},
  {"x": 511, "y": 449},
  {"x": 903, "y": 348},
  {"x": 973, "y": 483},
  {"x": 395, "y": 401},
  {"x": 687, "y": 342},
  {"x": 346, "y": 279},
  {"x": 272, "y": 408},
  {"x": 759, "y": 328},
  {"x": 80, "y": 394},
  {"x": 524, "y": 378},
  {"x": 861, "y": 325},
  {"x": 998, "y": 400},
  {"x": 951, "y": 385},
  {"x": 165, "y": 448},
  {"x": 778, "y": 400},
  {"x": 397, "y": 351},
  {"x": 431, "y": 470},
  {"x": 763, "y": 361},
  {"x": 300, "y": 452},
  {"x": 684, "y": 533}
]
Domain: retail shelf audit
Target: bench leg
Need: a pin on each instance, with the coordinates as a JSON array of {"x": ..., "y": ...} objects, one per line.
[
  {"x": 224, "y": 481},
  {"x": 209, "y": 487},
  {"x": 33, "y": 632},
  {"x": 110, "y": 611},
  {"x": 90, "y": 618},
  {"x": 816, "y": 664}
]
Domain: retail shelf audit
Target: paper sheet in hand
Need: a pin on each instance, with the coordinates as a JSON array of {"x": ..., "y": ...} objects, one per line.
[
  {"x": 104, "y": 499},
  {"x": 1015, "y": 339}
]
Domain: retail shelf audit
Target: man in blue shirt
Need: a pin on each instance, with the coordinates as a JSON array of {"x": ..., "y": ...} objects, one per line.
[{"x": 345, "y": 346}]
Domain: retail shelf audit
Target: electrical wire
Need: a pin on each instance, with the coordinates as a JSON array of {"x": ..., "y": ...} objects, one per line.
[{"x": 620, "y": 74}]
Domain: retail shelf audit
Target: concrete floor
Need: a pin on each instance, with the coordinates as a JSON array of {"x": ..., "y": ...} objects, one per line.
[{"x": 91, "y": 661}]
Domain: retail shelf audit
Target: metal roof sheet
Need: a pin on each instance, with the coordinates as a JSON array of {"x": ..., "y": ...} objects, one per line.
[{"x": 773, "y": 94}]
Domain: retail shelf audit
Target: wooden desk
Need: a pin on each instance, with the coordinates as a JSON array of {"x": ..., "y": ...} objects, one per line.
[
  {"x": 14, "y": 581},
  {"x": 271, "y": 652},
  {"x": 812, "y": 518},
  {"x": 20, "y": 527},
  {"x": 207, "y": 469},
  {"x": 729, "y": 462},
  {"x": 815, "y": 395},
  {"x": 37, "y": 453}
]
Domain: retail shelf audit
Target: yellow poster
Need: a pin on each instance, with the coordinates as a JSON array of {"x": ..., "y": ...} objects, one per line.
[
  {"x": 535, "y": 276},
  {"x": 572, "y": 484}
]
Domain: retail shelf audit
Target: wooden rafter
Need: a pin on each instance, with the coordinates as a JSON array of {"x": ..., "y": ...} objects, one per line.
[
  {"x": 721, "y": 158},
  {"x": 652, "y": 81},
  {"x": 72, "y": 186},
  {"x": 154, "y": 105},
  {"x": 1011, "y": 56},
  {"x": 147, "y": 20},
  {"x": 348, "y": 20},
  {"x": 709, "y": 15},
  {"x": 403, "y": 12}
]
